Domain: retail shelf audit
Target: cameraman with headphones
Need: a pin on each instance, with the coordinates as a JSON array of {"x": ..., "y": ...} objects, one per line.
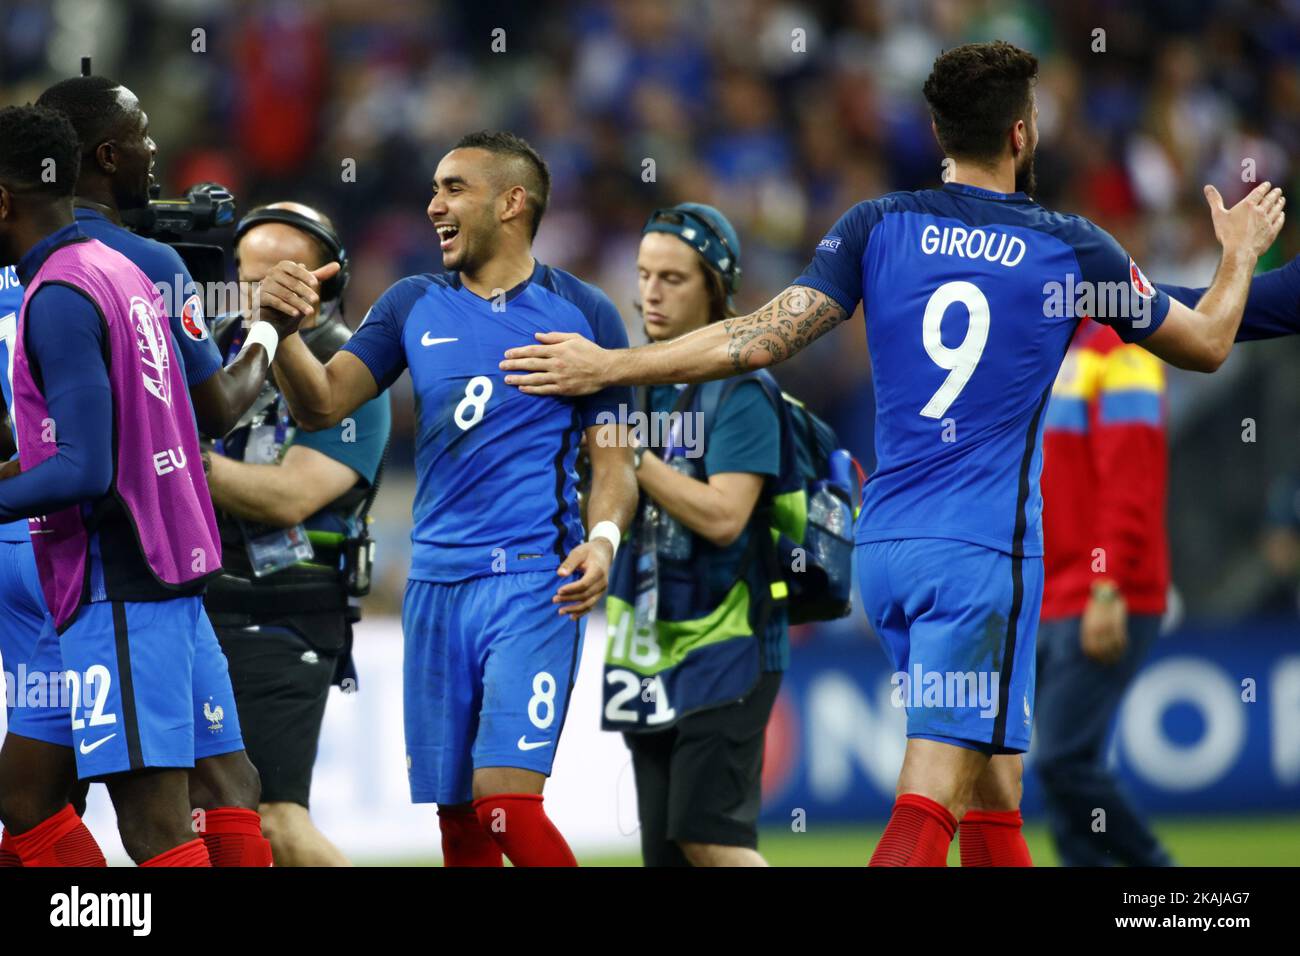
[{"x": 292, "y": 508}]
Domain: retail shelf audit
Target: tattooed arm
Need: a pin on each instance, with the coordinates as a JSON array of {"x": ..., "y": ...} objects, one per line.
[{"x": 568, "y": 364}]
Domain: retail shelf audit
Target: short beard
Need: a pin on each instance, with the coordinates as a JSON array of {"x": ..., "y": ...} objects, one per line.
[
  {"x": 473, "y": 256},
  {"x": 125, "y": 200},
  {"x": 1026, "y": 181}
]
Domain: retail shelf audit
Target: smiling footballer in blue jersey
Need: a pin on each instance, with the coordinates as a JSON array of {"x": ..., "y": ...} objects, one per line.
[
  {"x": 971, "y": 294},
  {"x": 493, "y": 631}
]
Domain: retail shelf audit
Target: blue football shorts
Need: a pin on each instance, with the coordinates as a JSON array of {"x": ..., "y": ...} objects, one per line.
[
  {"x": 489, "y": 667},
  {"x": 959, "y": 623},
  {"x": 146, "y": 686}
]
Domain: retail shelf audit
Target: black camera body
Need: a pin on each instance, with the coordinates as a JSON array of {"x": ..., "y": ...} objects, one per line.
[{"x": 205, "y": 207}]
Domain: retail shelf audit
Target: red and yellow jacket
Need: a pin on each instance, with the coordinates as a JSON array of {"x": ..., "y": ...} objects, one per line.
[{"x": 1105, "y": 470}]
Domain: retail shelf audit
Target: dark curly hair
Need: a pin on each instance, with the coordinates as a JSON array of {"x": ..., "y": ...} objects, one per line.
[
  {"x": 39, "y": 151},
  {"x": 976, "y": 93},
  {"x": 536, "y": 177}
]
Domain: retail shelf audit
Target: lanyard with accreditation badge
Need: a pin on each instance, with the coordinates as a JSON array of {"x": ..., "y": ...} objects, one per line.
[
  {"x": 269, "y": 549},
  {"x": 645, "y": 611}
]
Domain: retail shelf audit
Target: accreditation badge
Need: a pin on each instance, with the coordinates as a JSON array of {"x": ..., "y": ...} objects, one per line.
[{"x": 645, "y": 608}]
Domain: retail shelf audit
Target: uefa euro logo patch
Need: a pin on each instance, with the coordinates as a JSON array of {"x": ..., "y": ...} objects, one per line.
[
  {"x": 1141, "y": 285},
  {"x": 192, "y": 319}
]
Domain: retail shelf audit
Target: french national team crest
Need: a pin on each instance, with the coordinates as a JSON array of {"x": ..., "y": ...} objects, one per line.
[
  {"x": 152, "y": 341},
  {"x": 214, "y": 716},
  {"x": 1141, "y": 284},
  {"x": 192, "y": 319}
]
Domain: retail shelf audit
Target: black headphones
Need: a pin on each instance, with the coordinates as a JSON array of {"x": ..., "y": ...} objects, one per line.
[{"x": 331, "y": 288}]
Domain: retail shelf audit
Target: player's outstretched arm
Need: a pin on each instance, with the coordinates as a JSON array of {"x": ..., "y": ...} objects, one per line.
[
  {"x": 1272, "y": 308},
  {"x": 1200, "y": 339},
  {"x": 613, "y": 498},
  {"x": 221, "y": 398},
  {"x": 319, "y": 396},
  {"x": 568, "y": 364}
]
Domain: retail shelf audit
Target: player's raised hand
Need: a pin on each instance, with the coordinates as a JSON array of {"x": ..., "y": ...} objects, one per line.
[
  {"x": 593, "y": 559},
  {"x": 289, "y": 293},
  {"x": 10, "y": 468},
  {"x": 1252, "y": 224},
  {"x": 564, "y": 364}
]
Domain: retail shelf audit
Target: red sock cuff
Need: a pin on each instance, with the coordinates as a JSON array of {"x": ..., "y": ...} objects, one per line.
[
  {"x": 919, "y": 833},
  {"x": 60, "y": 840},
  {"x": 519, "y": 825},
  {"x": 46, "y": 833},
  {"x": 1005, "y": 818},
  {"x": 233, "y": 836},
  {"x": 492, "y": 810},
  {"x": 931, "y": 807},
  {"x": 193, "y": 853},
  {"x": 238, "y": 820}
]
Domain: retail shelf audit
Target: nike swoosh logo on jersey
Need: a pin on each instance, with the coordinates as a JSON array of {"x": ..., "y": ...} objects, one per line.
[
  {"x": 426, "y": 340},
  {"x": 103, "y": 740},
  {"x": 525, "y": 745}
]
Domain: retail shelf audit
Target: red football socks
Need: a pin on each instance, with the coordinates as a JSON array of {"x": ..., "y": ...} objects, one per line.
[
  {"x": 919, "y": 834},
  {"x": 993, "y": 838},
  {"x": 519, "y": 825},
  {"x": 8, "y": 855},
  {"x": 464, "y": 841},
  {"x": 62, "y": 840},
  {"x": 192, "y": 853},
  {"x": 233, "y": 836}
]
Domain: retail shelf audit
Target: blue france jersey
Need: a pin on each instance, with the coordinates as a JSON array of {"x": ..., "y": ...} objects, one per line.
[
  {"x": 11, "y": 300},
  {"x": 970, "y": 298},
  {"x": 495, "y": 468}
]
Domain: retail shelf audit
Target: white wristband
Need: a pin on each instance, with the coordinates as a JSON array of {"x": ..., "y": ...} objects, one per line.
[
  {"x": 609, "y": 531},
  {"x": 265, "y": 335}
]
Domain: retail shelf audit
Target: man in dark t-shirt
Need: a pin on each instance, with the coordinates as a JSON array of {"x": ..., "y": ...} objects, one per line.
[{"x": 698, "y": 775}]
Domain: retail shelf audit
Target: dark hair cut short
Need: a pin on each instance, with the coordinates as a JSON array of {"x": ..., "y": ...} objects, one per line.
[
  {"x": 537, "y": 176},
  {"x": 92, "y": 106},
  {"x": 976, "y": 93},
  {"x": 39, "y": 152}
]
